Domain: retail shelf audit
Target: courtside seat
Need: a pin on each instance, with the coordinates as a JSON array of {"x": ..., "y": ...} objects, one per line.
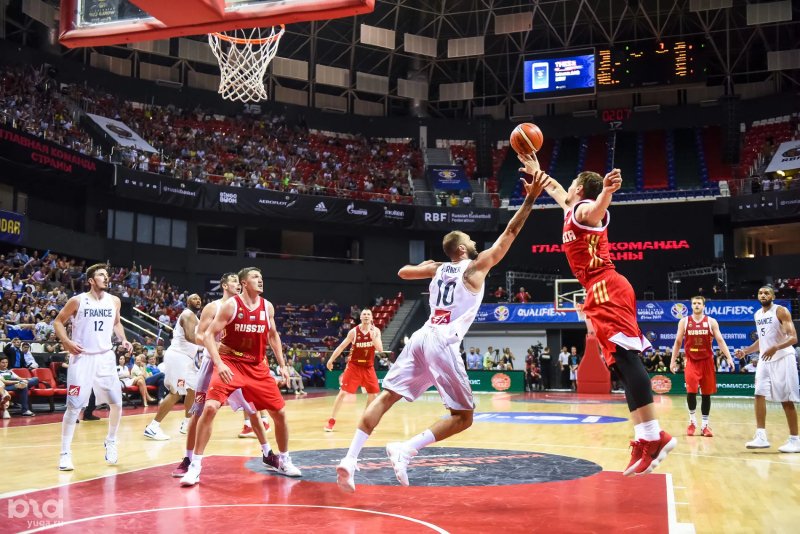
[
  {"x": 40, "y": 390},
  {"x": 48, "y": 383}
]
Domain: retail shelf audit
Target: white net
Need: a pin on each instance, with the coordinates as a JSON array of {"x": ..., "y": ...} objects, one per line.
[{"x": 244, "y": 56}]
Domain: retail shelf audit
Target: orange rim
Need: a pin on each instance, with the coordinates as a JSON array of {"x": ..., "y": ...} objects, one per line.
[{"x": 241, "y": 41}]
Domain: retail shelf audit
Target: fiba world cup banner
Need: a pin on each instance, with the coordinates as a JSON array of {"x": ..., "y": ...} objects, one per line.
[{"x": 448, "y": 178}]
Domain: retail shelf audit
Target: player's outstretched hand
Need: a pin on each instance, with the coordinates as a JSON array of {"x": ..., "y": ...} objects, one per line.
[
  {"x": 612, "y": 181},
  {"x": 530, "y": 163},
  {"x": 225, "y": 373},
  {"x": 535, "y": 187}
]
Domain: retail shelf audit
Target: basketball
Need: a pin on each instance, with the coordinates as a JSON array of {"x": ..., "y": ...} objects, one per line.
[{"x": 526, "y": 138}]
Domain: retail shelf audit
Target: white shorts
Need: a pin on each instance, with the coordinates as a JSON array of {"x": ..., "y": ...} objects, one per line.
[
  {"x": 202, "y": 379},
  {"x": 176, "y": 370},
  {"x": 93, "y": 371},
  {"x": 778, "y": 380},
  {"x": 428, "y": 361}
]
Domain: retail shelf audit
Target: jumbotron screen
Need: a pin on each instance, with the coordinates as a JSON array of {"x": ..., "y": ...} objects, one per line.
[{"x": 570, "y": 73}]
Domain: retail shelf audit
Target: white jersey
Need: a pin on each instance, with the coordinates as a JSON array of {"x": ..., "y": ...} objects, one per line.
[
  {"x": 179, "y": 341},
  {"x": 93, "y": 325},
  {"x": 453, "y": 306},
  {"x": 770, "y": 333}
]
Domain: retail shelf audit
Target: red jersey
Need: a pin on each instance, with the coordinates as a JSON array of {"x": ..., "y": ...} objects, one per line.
[
  {"x": 698, "y": 338},
  {"x": 245, "y": 337},
  {"x": 586, "y": 247},
  {"x": 363, "y": 351}
]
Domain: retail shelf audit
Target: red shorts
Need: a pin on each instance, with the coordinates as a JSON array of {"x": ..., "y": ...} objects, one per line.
[
  {"x": 255, "y": 381},
  {"x": 611, "y": 306},
  {"x": 701, "y": 373},
  {"x": 355, "y": 376}
]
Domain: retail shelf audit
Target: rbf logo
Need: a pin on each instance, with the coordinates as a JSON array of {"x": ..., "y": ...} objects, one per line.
[
  {"x": 74, "y": 391},
  {"x": 435, "y": 216},
  {"x": 31, "y": 508}
]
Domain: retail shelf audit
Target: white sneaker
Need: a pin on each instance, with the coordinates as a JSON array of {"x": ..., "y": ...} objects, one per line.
[
  {"x": 111, "y": 451},
  {"x": 287, "y": 468},
  {"x": 400, "y": 454},
  {"x": 792, "y": 445},
  {"x": 192, "y": 475},
  {"x": 153, "y": 431},
  {"x": 759, "y": 442},
  {"x": 185, "y": 425},
  {"x": 65, "y": 462},
  {"x": 6, "y": 415},
  {"x": 344, "y": 474}
]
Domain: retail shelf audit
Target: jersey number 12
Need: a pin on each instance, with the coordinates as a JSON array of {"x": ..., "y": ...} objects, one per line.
[{"x": 98, "y": 326}]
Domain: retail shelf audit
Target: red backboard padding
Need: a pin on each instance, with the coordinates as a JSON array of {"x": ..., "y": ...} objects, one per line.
[{"x": 593, "y": 375}]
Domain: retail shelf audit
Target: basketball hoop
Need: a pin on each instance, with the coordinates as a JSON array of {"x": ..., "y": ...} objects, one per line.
[
  {"x": 569, "y": 296},
  {"x": 243, "y": 57}
]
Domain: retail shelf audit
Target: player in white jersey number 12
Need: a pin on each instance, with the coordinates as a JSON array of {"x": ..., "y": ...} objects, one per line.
[
  {"x": 92, "y": 362},
  {"x": 776, "y": 370},
  {"x": 431, "y": 357}
]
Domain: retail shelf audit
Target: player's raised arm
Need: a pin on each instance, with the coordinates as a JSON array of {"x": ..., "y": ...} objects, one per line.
[
  {"x": 426, "y": 269},
  {"x": 592, "y": 213},
  {"x": 349, "y": 338},
  {"x": 676, "y": 347},
  {"x": 530, "y": 164},
  {"x": 720, "y": 340}
]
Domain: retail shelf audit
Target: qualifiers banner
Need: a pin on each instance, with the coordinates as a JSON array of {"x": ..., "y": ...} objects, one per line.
[
  {"x": 655, "y": 311},
  {"x": 449, "y": 178},
  {"x": 12, "y": 227},
  {"x": 663, "y": 337},
  {"x": 34, "y": 152},
  {"x": 510, "y": 381}
]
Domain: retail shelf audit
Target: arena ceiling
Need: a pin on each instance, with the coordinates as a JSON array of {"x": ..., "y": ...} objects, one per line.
[{"x": 739, "y": 36}]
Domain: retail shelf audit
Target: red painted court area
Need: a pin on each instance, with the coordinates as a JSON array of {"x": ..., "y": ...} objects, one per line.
[{"x": 231, "y": 496}]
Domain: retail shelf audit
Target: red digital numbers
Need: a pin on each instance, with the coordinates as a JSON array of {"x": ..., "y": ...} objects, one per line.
[{"x": 616, "y": 114}]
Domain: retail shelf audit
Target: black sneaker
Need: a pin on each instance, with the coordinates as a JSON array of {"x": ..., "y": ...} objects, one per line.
[
  {"x": 271, "y": 461},
  {"x": 90, "y": 417}
]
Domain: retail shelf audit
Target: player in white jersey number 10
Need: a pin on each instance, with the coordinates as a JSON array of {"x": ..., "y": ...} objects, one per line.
[
  {"x": 431, "y": 357},
  {"x": 92, "y": 362}
]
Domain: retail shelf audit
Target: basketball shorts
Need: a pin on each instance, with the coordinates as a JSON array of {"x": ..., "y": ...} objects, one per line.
[
  {"x": 701, "y": 374},
  {"x": 428, "y": 360},
  {"x": 93, "y": 371},
  {"x": 202, "y": 380},
  {"x": 176, "y": 370},
  {"x": 356, "y": 376},
  {"x": 255, "y": 381},
  {"x": 777, "y": 380},
  {"x": 611, "y": 306}
]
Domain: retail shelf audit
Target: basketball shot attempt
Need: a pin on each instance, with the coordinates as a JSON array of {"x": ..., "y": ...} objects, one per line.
[
  {"x": 700, "y": 374},
  {"x": 776, "y": 372},
  {"x": 246, "y": 323},
  {"x": 360, "y": 370},
  {"x": 92, "y": 361},
  {"x": 431, "y": 357},
  {"x": 610, "y": 304}
]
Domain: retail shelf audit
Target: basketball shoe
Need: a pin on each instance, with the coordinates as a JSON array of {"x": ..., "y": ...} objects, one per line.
[
  {"x": 759, "y": 441},
  {"x": 329, "y": 426},
  {"x": 345, "y": 474},
  {"x": 192, "y": 475},
  {"x": 706, "y": 433},
  {"x": 400, "y": 454},
  {"x": 791, "y": 445},
  {"x": 111, "y": 451},
  {"x": 281, "y": 464},
  {"x": 185, "y": 425},
  {"x": 153, "y": 431},
  {"x": 690, "y": 429},
  {"x": 247, "y": 432},
  {"x": 65, "y": 462},
  {"x": 182, "y": 468},
  {"x": 636, "y": 456},
  {"x": 654, "y": 452}
]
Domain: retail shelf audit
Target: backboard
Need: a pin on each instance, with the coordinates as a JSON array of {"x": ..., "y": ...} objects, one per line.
[
  {"x": 569, "y": 296},
  {"x": 110, "y": 22}
]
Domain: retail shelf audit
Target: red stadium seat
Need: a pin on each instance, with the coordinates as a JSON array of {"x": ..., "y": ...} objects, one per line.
[{"x": 48, "y": 383}]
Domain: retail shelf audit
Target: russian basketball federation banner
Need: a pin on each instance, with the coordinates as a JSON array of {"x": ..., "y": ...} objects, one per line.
[{"x": 448, "y": 177}]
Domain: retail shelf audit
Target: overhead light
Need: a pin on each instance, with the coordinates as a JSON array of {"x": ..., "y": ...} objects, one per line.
[
  {"x": 780, "y": 172},
  {"x": 676, "y": 281}
]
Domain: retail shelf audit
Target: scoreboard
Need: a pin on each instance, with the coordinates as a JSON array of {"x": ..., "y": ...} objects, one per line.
[{"x": 639, "y": 65}]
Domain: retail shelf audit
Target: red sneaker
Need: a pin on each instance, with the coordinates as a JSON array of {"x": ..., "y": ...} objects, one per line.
[
  {"x": 329, "y": 426},
  {"x": 690, "y": 429},
  {"x": 654, "y": 452},
  {"x": 247, "y": 432},
  {"x": 636, "y": 456},
  {"x": 182, "y": 468},
  {"x": 707, "y": 432},
  {"x": 266, "y": 427}
]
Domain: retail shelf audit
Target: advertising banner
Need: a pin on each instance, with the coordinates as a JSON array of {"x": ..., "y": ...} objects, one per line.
[
  {"x": 449, "y": 178},
  {"x": 769, "y": 205},
  {"x": 729, "y": 384},
  {"x": 121, "y": 133},
  {"x": 648, "y": 311},
  {"x": 12, "y": 227},
  {"x": 41, "y": 155},
  {"x": 448, "y": 219},
  {"x": 663, "y": 336},
  {"x": 786, "y": 158},
  {"x": 510, "y": 381}
]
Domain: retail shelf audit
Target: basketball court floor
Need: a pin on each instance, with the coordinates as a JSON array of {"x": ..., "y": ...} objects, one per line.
[{"x": 545, "y": 462}]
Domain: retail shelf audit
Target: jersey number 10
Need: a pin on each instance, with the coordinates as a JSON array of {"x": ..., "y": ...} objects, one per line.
[{"x": 446, "y": 295}]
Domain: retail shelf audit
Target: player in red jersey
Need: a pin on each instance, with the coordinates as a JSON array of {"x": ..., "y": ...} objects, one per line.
[
  {"x": 610, "y": 304},
  {"x": 360, "y": 370},
  {"x": 700, "y": 371},
  {"x": 247, "y": 324}
]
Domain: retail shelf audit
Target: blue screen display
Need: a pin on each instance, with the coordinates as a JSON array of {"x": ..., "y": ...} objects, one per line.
[{"x": 560, "y": 76}]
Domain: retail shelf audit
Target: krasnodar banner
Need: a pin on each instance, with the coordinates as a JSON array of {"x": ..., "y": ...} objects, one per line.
[
  {"x": 121, "y": 133},
  {"x": 786, "y": 158}
]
